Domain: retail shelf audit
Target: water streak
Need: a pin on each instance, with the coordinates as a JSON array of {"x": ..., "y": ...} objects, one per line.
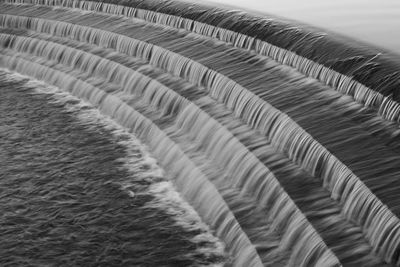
[
  {"x": 344, "y": 83},
  {"x": 161, "y": 94}
]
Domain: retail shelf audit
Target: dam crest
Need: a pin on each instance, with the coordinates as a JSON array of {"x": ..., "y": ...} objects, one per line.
[{"x": 284, "y": 140}]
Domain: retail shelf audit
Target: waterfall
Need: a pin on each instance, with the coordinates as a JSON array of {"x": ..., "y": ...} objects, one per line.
[
  {"x": 346, "y": 84},
  {"x": 122, "y": 113},
  {"x": 189, "y": 179},
  {"x": 202, "y": 119}
]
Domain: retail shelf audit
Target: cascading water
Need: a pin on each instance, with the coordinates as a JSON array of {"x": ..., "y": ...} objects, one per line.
[{"x": 291, "y": 158}]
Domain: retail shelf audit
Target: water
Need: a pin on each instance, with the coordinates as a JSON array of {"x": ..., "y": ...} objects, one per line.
[
  {"x": 289, "y": 154},
  {"x": 79, "y": 190},
  {"x": 374, "y": 22}
]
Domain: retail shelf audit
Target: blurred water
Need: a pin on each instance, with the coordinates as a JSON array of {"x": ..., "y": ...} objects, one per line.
[
  {"x": 264, "y": 153},
  {"x": 371, "y": 21}
]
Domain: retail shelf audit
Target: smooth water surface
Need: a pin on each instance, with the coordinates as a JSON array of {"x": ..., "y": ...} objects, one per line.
[{"x": 371, "y": 21}]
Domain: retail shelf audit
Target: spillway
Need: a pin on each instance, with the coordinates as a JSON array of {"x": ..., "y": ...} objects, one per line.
[{"x": 283, "y": 139}]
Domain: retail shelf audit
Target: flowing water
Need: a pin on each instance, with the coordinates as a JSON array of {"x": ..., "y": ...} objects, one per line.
[
  {"x": 372, "y": 21},
  {"x": 290, "y": 154},
  {"x": 77, "y": 190}
]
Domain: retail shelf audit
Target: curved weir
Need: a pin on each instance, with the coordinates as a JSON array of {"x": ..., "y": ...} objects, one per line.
[
  {"x": 291, "y": 158},
  {"x": 333, "y": 74}
]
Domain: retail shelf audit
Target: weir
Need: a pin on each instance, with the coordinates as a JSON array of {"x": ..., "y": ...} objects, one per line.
[{"x": 288, "y": 150}]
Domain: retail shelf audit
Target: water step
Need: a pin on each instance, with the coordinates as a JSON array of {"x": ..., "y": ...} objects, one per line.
[
  {"x": 321, "y": 216},
  {"x": 300, "y": 254},
  {"x": 332, "y": 120}
]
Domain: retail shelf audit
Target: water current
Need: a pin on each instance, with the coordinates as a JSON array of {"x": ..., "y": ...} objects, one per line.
[
  {"x": 283, "y": 141},
  {"x": 77, "y": 190}
]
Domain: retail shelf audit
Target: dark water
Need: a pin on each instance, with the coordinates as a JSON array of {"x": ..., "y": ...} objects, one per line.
[{"x": 67, "y": 199}]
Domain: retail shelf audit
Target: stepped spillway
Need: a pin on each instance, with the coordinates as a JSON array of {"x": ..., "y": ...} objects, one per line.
[{"x": 285, "y": 141}]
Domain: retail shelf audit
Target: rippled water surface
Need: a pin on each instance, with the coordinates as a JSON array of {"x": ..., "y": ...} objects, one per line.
[
  {"x": 67, "y": 197},
  {"x": 372, "y": 21}
]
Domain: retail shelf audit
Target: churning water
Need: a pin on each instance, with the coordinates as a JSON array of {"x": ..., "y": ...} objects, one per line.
[{"x": 285, "y": 141}]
